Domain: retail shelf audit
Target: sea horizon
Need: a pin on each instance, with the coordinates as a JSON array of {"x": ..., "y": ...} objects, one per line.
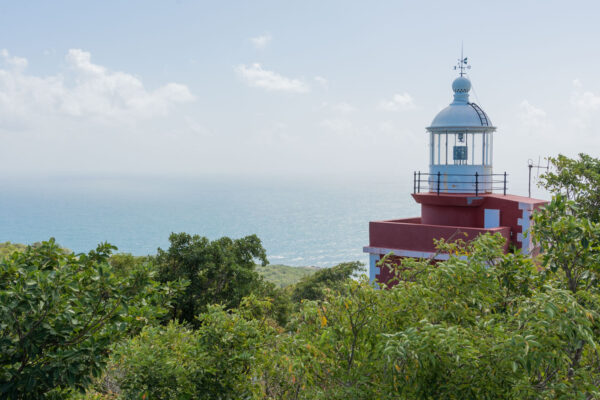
[{"x": 301, "y": 220}]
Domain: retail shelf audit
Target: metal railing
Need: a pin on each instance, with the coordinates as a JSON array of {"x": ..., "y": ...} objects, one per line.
[{"x": 439, "y": 183}]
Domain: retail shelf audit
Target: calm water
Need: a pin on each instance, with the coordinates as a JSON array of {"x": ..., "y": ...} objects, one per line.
[
  {"x": 317, "y": 222},
  {"x": 301, "y": 222}
]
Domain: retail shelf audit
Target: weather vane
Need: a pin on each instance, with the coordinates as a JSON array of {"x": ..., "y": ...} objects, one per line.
[{"x": 462, "y": 63}]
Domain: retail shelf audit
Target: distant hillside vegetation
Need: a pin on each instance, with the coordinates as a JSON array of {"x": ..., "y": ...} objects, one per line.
[
  {"x": 7, "y": 248},
  {"x": 280, "y": 275},
  {"x": 284, "y": 275}
]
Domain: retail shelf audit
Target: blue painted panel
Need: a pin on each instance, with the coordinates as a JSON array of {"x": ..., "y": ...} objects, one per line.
[{"x": 491, "y": 218}]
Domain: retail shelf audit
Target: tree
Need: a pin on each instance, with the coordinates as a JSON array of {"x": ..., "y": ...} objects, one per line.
[
  {"x": 578, "y": 180},
  {"x": 219, "y": 272},
  {"x": 480, "y": 325},
  {"x": 216, "y": 361},
  {"x": 569, "y": 243},
  {"x": 313, "y": 287},
  {"x": 483, "y": 327},
  {"x": 568, "y": 228},
  {"x": 59, "y": 314}
]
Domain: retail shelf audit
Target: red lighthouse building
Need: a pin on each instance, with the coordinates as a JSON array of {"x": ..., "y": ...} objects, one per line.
[{"x": 459, "y": 193}]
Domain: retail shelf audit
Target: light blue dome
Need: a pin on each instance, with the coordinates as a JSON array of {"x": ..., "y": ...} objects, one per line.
[
  {"x": 461, "y": 113},
  {"x": 461, "y": 85}
]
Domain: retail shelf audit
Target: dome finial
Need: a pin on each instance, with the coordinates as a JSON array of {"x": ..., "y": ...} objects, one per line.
[{"x": 462, "y": 62}]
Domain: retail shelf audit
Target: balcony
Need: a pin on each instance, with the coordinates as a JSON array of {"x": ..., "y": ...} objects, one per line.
[
  {"x": 411, "y": 235},
  {"x": 445, "y": 179}
]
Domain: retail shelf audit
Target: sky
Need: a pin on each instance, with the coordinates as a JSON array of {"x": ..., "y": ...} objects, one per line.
[{"x": 266, "y": 88}]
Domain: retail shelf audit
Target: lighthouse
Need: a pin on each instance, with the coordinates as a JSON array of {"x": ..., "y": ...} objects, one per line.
[{"x": 459, "y": 194}]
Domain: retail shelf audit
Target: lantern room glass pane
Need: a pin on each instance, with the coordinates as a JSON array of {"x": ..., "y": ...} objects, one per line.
[
  {"x": 461, "y": 148},
  {"x": 477, "y": 152}
]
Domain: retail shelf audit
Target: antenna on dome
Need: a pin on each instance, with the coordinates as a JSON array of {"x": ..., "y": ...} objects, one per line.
[{"x": 462, "y": 62}]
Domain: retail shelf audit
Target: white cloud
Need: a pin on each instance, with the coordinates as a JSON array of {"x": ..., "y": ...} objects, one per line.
[
  {"x": 196, "y": 128},
  {"x": 398, "y": 102},
  {"x": 585, "y": 104},
  {"x": 86, "y": 90},
  {"x": 586, "y": 101},
  {"x": 322, "y": 81},
  {"x": 260, "y": 42},
  {"x": 337, "y": 125},
  {"x": 343, "y": 108},
  {"x": 256, "y": 76},
  {"x": 13, "y": 61},
  {"x": 387, "y": 127},
  {"x": 532, "y": 116}
]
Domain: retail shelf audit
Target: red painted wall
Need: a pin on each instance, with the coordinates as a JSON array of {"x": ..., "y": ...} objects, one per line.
[
  {"x": 452, "y": 215},
  {"x": 468, "y": 210},
  {"x": 408, "y": 235}
]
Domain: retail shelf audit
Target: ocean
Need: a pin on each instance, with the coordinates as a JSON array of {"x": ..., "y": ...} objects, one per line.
[{"x": 301, "y": 221}]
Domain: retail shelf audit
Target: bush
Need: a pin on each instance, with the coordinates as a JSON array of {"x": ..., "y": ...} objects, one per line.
[
  {"x": 216, "y": 361},
  {"x": 59, "y": 314}
]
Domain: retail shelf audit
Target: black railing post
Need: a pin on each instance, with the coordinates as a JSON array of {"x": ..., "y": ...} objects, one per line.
[
  {"x": 476, "y": 183},
  {"x": 505, "y": 183},
  {"x": 438, "y": 183},
  {"x": 419, "y": 182},
  {"x": 415, "y": 182}
]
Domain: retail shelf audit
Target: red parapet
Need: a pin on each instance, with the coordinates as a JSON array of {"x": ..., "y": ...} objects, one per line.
[{"x": 410, "y": 234}]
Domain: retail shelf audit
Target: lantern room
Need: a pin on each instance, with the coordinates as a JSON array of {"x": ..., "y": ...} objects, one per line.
[{"x": 461, "y": 145}]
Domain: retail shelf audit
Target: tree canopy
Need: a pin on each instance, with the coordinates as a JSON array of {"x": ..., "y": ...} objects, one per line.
[
  {"x": 578, "y": 180},
  {"x": 60, "y": 313},
  {"x": 221, "y": 271}
]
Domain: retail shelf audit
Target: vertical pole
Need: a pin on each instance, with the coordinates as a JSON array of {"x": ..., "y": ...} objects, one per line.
[
  {"x": 472, "y": 149},
  {"x": 446, "y": 148},
  {"x": 482, "y": 148},
  {"x": 486, "y": 148},
  {"x": 439, "y": 135},
  {"x": 415, "y": 182},
  {"x": 476, "y": 183},
  {"x": 438, "y": 183},
  {"x": 432, "y": 155},
  {"x": 491, "y": 148},
  {"x": 419, "y": 183},
  {"x": 505, "y": 183},
  {"x": 530, "y": 166}
]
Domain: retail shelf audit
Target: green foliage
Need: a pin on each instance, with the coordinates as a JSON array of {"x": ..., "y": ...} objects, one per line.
[
  {"x": 313, "y": 287},
  {"x": 578, "y": 180},
  {"x": 59, "y": 313},
  {"x": 284, "y": 275},
  {"x": 123, "y": 263},
  {"x": 7, "y": 248},
  {"x": 219, "y": 272},
  {"x": 570, "y": 243},
  {"x": 568, "y": 228},
  {"x": 481, "y": 325},
  {"x": 478, "y": 326},
  {"x": 480, "y": 329},
  {"x": 280, "y": 303},
  {"x": 336, "y": 350},
  {"x": 216, "y": 361}
]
